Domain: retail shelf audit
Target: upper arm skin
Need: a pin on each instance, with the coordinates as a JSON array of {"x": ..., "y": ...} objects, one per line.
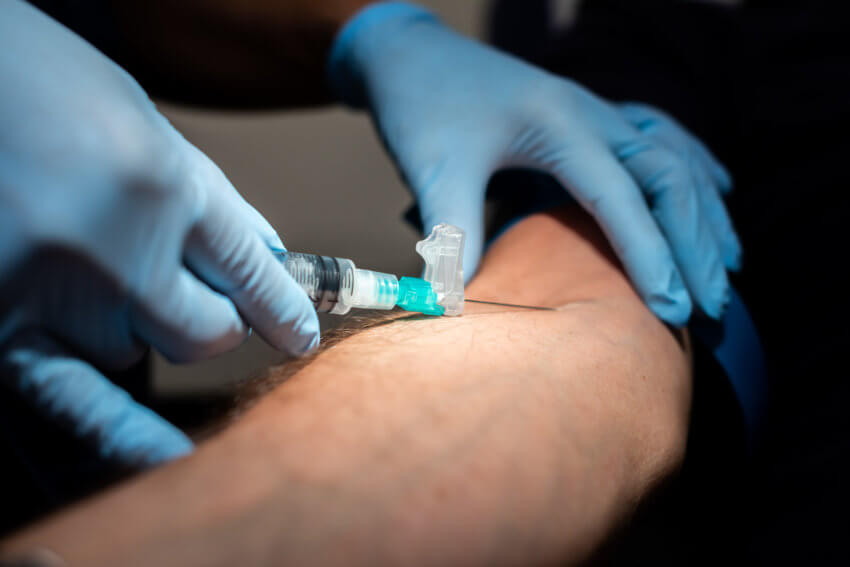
[{"x": 500, "y": 437}]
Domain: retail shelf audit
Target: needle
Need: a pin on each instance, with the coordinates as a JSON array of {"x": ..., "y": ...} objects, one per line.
[{"x": 510, "y": 305}]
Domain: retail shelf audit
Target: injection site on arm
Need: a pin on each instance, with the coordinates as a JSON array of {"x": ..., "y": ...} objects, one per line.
[{"x": 545, "y": 426}]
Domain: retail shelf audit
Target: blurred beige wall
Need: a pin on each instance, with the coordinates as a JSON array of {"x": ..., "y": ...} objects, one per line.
[{"x": 323, "y": 181}]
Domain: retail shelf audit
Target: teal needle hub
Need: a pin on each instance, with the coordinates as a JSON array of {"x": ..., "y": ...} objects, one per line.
[{"x": 416, "y": 294}]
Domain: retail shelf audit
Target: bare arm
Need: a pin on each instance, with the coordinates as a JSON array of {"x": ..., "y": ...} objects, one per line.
[{"x": 500, "y": 437}]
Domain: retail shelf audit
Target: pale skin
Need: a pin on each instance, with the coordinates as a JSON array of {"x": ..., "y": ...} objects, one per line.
[{"x": 502, "y": 437}]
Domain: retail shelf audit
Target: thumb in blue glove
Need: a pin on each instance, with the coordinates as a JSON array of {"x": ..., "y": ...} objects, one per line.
[{"x": 452, "y": 111}]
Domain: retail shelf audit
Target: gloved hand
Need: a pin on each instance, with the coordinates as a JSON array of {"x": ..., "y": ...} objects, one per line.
[
  {"x": 452, "y": 111},
  {"x": 711, "y": 179},
  {"x": 116, "y": 233}
]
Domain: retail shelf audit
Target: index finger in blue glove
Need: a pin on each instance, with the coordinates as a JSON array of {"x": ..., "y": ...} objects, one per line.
[
  {"x": 719, "y": 174},
  {"x": 673, "y": 196},
  {"x": 665, "y": 132},
  {"x": 605, "y": 189},
  {"x": 719, "y": 220},
  {"x": 675, "y": 203},
  {"x": 76, "y": 395},
  {"x": 237, "y": 263},
  {"x": 225, "y": 250},
  {"x": 652, "y": 121}
]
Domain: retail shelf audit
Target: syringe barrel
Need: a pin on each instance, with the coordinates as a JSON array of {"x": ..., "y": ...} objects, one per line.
[
  {"x": 335, "y": 285},
  {"x": 321, "y": 277}
]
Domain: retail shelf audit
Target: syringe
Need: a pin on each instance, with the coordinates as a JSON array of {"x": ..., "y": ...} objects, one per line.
[{"x": 336, "y": 285}]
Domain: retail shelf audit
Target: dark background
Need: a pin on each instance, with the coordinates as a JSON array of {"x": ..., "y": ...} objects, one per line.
[{"x": 768, "y": 89}]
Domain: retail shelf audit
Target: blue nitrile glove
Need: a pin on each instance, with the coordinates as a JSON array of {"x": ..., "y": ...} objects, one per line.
[
  {"x": 75, "y": 394},
  {"x": 452, "y": 111},
  {"x": 117, "y": 233},
  {"x": 710, "y": 177}
]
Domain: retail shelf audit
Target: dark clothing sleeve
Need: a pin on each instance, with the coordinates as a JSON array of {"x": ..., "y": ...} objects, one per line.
[
  {"x": 766, "y": 85},
  {"x": 91, "y": 19}
]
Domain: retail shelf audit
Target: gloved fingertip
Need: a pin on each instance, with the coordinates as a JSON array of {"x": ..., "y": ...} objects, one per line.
[
  {"x": 166, "y": 450},
  {"x": 732, "y": 259},
  {"x": 274, "y": 242},
  {"x": 723, "y": 178},
  {"x": 308, "y": 343},
  {"x": 716, "y": 308},
  {"x": 313, "y": 344},
  {"x": 715, "y": 297},
  {"x": 671, "y": 311},
  {"x": 302, "y": 336},
  {"x": 717, "y": 171},
  {"x": 672, "y": 303}
]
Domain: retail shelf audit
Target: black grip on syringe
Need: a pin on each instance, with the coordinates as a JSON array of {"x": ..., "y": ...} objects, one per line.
[{"x": 324, "y": 291}]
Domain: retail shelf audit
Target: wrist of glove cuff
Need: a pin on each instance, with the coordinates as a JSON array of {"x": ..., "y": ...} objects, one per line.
[{"x": 356, "y": 45}]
